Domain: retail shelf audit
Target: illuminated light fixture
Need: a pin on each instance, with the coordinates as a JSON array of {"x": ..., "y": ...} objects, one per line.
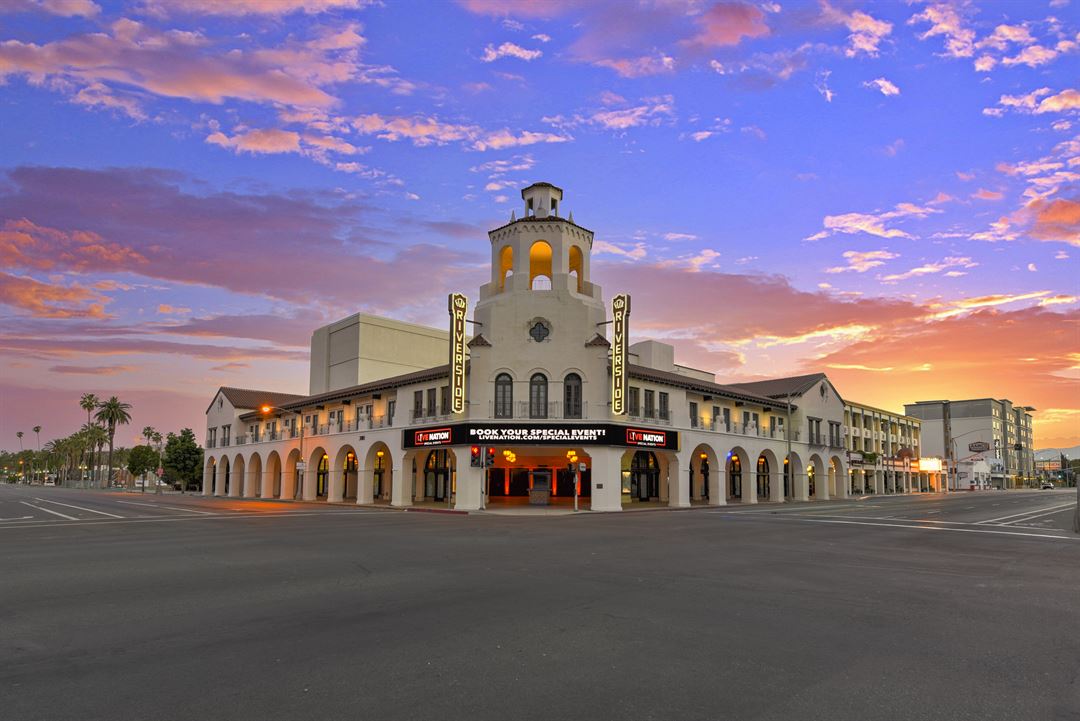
[
  {"x": 266, "y": 409},
  {"x": 379, "y": 454},
  {"x": 703, "y": 456}
]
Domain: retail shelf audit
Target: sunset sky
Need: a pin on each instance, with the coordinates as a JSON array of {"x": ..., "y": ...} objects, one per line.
[{"x": 886, "y": 192}]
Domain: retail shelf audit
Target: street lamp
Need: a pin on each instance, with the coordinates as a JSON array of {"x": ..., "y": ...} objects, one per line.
[{"x": 301, "y": 466}]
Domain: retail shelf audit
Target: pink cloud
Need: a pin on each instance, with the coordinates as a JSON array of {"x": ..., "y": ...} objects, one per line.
[
  {"x": 249, "y": 7},
  {"x": 46, "y": 300},
  {"x": 258, "y": 141},
  {"x": 63, "y": 8},
  {"x": 727, "y": 23}
]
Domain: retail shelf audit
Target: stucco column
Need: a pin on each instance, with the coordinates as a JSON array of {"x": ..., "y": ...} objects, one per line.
[
  {"x": 801, "y": 482},
  {"x": 717, "y": 487},
  {"x": 776, "y": 486},
  {"x": 469, "y": 485},
  {"x": 207, "y": 482},
  {"x": 251, "y": 482},
  {"x": 678, "y": 481},
  {"x": 310, "y": 478},
  {"x": 365, "y": 486},
  {"x": 401, "y": 488},
  {"x": 606, "y": 479},
  {"x": 267, "y": 483},
  {"x": 749, "y": 484},
  {"x": 335, "y": 492}
]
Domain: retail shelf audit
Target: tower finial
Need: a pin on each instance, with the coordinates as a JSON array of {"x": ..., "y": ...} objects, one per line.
[{"x": 513, "y": 216}]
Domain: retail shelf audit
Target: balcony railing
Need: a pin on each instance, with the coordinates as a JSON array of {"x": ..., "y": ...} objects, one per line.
[
  {"x": 429, "y": 415},
  {"x": 660, "y": 417},
  {"x": 211, "y": 443},
  {"x": 552, "y": 410}
]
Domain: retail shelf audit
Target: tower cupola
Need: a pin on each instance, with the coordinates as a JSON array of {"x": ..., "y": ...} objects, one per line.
[{"x": 542, "y": 200}]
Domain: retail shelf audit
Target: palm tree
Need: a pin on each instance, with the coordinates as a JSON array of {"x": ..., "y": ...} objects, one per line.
[
  {"x": 93, "y": 436},
  {"x": 19, "y": 435},
  {"x": 37, "y": 432},
  {"x": 112, "y": 413},
  {"x": 88, "y": 403}
]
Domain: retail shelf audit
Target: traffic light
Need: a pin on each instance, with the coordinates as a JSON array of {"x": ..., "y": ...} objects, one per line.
[
  {"x": 490, "y": 458},
  {"x": 474, "y": 459}
]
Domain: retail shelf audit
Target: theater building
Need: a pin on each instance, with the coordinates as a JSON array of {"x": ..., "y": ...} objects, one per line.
[{"x": 545, "y": 399}]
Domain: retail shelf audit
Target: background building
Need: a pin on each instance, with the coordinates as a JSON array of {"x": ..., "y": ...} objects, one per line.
[
  {"x": 883, "y": 448},
  {"x": 949, "y": 428}
]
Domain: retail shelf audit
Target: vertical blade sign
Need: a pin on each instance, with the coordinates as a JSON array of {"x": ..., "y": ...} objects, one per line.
[
  {"x": 620, "y": 314},
  {"x": 458, "y": 306}
]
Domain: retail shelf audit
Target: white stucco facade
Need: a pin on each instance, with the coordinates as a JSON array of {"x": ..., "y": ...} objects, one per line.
[{"x": 538, "y": 393}]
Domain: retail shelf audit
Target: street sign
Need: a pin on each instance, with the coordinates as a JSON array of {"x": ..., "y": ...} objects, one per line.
[
  {"x": 582, "y": 467},
  {"x": 978, "y": 446}
]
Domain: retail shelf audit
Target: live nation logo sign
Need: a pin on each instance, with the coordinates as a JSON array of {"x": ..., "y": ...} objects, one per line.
[{"x": 648, "y": 439}]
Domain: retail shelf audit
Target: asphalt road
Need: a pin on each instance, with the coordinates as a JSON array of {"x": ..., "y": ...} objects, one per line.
[{"x": 192, "y": 608}]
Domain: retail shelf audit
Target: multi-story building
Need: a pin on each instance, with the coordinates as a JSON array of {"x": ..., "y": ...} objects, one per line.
[
  {"x": 547, "y": 400},
  {"x": 980, "y": 427},
  {"x": 883, "y": 450}
]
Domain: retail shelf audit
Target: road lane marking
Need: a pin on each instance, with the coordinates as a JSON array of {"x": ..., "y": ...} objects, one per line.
[
  {"x": 1025, "y": 513},
  {"x": 20, "y": 518},
  {"x": 162, "y": 505},
  {"x": 88, "y": 510},
  {"x": 55, "y": 513},
  {"x": 1032, "y": 518},
  {"x": 214, "y": 517},
  {"x": 940, "y": 528}
]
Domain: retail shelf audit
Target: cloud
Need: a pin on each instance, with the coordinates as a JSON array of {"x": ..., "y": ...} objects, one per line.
[
  {"x": 166, "y": 309},
  {"x": 984, "y": 194},
  {"x": 635, "y": 252},
  {"x": 63, "y": 8},
  {"x": 151, "y": 223},
  {"x": 821, "y": 84},
  {"x": 249, "y": 7},
  {"x": 678, "y": 237},
  {"x": 508, "y": 50},
  {"x": 1037, "y": 102},
  {"x": 931, "y": 268},
  {"x": 184, "y": 64},
  {"x": 860, "y": 262},
  {"x": 46, "y": 300},
  {"x": 640, "y": 66},
  {"x": 884, "y": 86},
  {"x": 422, "y": 131},
  {"x": 91, "y": 370},
  {"x": 727, "y": 23},
  {"x": 867, "y": 32},
  {"x": 871, "y": 224},
  {"x": 1032, "y": 56},
  {"x": 258, "y": 141},
  {"x": 1055, "y": 220},
  {"x": 945, "y": 21},
  {"x": 541, "y": 37},
  {"x": 519, "y": 8}
]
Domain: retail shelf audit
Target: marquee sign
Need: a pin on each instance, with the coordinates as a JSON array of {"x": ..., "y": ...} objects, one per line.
[
  {"x": 620, "y": 312},
  {"x": 458, "y": 306},
  {"x": 540, "y": 434},
  {"x": 979, "y": 447}
]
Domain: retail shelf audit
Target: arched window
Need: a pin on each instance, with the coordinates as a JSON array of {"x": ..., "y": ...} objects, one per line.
[
  {"x": 506, "y": 265},
  {"x": 322, "y": 476},
  {"x": 764, "y": 487},
  {"x": 577, "y": 266},
  {"x": 734, "y": 472},
  {"x": 538, "y": 387},
  {"x": 504, "y": 396},
  {"x": 540, "y": 265},
  {"x": 572, "y": 396}
]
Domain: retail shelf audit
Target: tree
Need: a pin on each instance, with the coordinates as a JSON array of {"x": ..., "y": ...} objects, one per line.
[
  {"x": 183, "y": 458},
  {"x": 37, "y": 433},
  {"x": 19, "y": 435},
  {"x": 141, "y": 460},
  {"x": 94, "y": 437},
  {"x": 111, "y": 414}
]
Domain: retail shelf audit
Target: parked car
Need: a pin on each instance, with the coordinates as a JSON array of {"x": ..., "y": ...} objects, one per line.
[
  {"x": 50, "y": 482},
  {"x": 1047, "y": 486}
]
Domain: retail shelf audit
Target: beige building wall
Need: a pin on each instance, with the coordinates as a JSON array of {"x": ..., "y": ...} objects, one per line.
[{"x": 364, "y": 348}]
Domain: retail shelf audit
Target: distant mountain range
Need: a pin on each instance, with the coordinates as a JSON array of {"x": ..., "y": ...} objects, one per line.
[{"x": 1047, "y": 454}]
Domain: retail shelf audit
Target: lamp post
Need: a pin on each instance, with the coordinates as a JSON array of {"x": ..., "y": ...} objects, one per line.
[{"x": 301, "y": 466}]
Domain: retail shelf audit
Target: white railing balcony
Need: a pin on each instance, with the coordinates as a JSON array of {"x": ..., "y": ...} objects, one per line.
[
  {"x": 428, "y": 415},
  {"x": 657, "y": 417},
  {"x": 241, "y": 439},
  {"x": 211, "y": 443},
  {"x": 552, "y": 410}
]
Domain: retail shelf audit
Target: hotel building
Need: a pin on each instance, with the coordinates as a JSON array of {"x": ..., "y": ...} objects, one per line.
[
  {"x": 545, "y": 400},
  {"x": 978, "y": 428}
]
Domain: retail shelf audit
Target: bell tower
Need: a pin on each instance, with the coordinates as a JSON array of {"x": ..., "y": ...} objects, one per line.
[{"x": 540, "y": 313}]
